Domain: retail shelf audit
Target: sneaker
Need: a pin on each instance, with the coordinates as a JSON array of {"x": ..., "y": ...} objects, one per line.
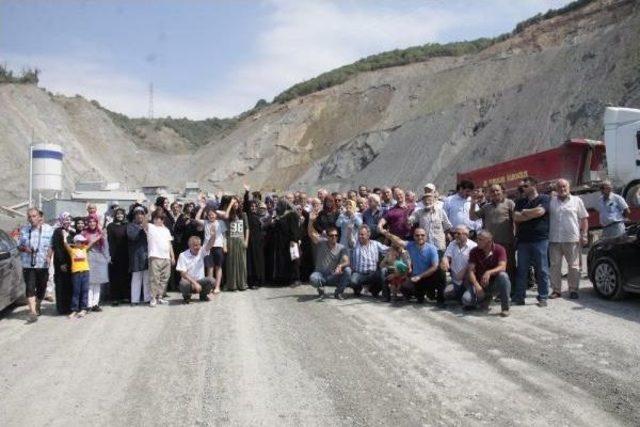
[
  {"x": 162, "y": 301},
  {"x": 72, "y": 315},
  {"x": 542, "y": 303},
  {"x": 82, "y": 313},
  {"x": 152, "y": 303},
  {"x": 339, "y": 296},
  {"x": 96, "y": 308},
  {"x": 321, "y": 291},
  {"x": 555, "y": 295},
  {"x": 504, "y": 313},
  {"x": 574, "y": 295}
]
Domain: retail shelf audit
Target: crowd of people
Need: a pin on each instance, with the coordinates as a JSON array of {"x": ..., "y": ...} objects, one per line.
[{"x": 471, "y": 246}]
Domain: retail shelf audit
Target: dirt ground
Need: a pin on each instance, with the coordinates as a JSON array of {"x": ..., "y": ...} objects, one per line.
[{"x": 280, "y": 356}]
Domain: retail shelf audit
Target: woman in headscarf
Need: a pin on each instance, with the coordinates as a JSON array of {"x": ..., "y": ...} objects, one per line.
[
  {"x": 98, "y": 260},
  {"x": 328, "y": 215},
  {"x": 287, "y": 234},
  {"x": 62, "y": 264},
  {"x": 269, "y": 239},
  {"x": 119, "y": 277},
  {"x": 237, "y": 242},
  {"x": 255, "y": 251}
]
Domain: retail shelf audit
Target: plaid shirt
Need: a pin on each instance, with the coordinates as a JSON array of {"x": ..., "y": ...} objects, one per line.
[{"x": 364, "y": 258}]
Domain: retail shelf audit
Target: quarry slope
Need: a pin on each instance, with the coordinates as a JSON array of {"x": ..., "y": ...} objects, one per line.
[{"x": 405, "y": 125}]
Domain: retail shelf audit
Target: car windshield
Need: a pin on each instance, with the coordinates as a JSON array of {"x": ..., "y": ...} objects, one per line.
[{"x": 6, "y": 242}]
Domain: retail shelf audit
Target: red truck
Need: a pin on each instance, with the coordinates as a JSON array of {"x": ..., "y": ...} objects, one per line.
[{"x": 583, "y": 162}]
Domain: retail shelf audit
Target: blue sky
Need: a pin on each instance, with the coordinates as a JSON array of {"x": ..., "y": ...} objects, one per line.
[{"x": 217, "y": 58}]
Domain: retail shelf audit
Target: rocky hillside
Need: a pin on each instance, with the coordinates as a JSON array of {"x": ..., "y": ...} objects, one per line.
[{"x": 406, "y": 125}]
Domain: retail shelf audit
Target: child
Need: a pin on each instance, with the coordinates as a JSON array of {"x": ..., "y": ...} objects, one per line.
[
  {"x": 395, "y": 266},
  {"x": 79, "y": 273}
]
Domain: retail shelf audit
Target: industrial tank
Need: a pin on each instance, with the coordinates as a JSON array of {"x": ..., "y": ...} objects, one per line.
[{"x": 47, "y": 167}]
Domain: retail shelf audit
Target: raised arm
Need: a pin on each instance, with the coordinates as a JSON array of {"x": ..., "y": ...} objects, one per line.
[
  {"x": 311, "y": 231},
  {"x": 395, "y": 240}
]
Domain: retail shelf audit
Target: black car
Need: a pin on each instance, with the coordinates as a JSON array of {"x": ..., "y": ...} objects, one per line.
[
  {"x": 12, "y": 286},
  {"x": 614, "y": 264}
]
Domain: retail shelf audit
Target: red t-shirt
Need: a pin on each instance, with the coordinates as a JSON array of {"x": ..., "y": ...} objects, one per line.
[{"x": 484, "y": 262}]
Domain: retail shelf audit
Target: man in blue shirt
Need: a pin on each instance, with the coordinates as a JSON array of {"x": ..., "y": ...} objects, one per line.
[
  {"x": 613, "y": 210},
  {"x": 36, "y": 254},
  {"x": 424, "y": 260}
]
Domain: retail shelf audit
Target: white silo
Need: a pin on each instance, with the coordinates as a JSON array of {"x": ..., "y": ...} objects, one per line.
[{"x": 46, "y": 168}]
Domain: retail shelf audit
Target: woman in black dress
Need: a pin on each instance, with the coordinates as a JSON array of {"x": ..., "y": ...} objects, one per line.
[
  {"x": 255, "y": 251},
  {"x": 287, "y": 233},
  {"x": 119, "y": 276},
  {"x": 62, "y": 265}
]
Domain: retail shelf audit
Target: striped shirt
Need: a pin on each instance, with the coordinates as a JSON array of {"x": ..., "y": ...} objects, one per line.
[{"x": 364, "y": 258}]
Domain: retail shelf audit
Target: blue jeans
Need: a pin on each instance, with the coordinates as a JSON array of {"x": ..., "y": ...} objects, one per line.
[
  {"x": 340, "y": 281},
  {"x": 532, "y": 254},
  {"x": 80, "y": 296}
]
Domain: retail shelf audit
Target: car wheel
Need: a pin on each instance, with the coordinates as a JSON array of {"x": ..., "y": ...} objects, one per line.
[{"x": 607, "y": 280}]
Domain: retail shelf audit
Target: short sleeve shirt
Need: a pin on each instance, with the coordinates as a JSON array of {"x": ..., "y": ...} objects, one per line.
[
  {"x": 159, "y": 240},
  {"x": 459, "y": 257},
  {"x": 484, "y": 262},
  {"x": 221, "y": 229},
  {"x": 537, "y": 229},
  {"x": 498, "y": 220},
  {"x": 422, "y": 258},
  {"x": 564, "y": 219},
  {"x": 611, "y": 209},
  {"x": 191, "y": 264},
  {"x": 79, "y": 259},
  {"x": 398, "y": 220},
  {"x": 327, "y": 259},
  {"x": 38, "y": 239}
]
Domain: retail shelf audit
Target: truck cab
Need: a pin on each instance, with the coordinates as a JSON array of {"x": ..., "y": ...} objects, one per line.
[{"x": 622, "y": 141}]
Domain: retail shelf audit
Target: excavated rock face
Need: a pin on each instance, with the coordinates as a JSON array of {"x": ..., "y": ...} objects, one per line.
[{"x": 405, "y": 125}]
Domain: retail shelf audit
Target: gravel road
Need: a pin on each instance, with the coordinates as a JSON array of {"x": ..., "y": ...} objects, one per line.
[{"x": 279, "y": 356}]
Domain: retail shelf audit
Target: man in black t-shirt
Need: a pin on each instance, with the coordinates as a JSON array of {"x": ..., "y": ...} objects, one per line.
[{"x": 532, "y": 219}]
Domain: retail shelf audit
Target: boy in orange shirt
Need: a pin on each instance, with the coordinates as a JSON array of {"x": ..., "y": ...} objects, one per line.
[{"x": 79, "y": 273}]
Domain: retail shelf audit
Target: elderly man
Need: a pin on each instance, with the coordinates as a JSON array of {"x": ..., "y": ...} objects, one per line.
[
  {"x": 497, "y": 216},
  {"x": 430, "y": 188},
  {"x": 613, "y": 210},
  {"x": 487, "y": 275},
  {"x": 190, "y": 265},
  {"x": 331, "y": 260},
  {"x": 364, "y": 263},
  {"x": 424, "y": 274},
  {"x": 397, "y": 217},
  {"x": 36, "y": 255},
  {"x": 532, "y": 217},
  {"x": 456, "y": 260},
  {"x": 386, "y": 199},
  {"x": 568, "y": 228},
  {"x": 434, "y": 220}
]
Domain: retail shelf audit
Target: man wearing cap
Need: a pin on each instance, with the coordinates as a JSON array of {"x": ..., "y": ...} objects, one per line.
[
  {"x": 430, "y": 188},
  {"x": 613, "y": 210}
]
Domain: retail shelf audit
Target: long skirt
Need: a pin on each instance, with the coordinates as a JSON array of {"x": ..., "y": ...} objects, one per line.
[
  {"x": 235, "y": 265},
  {"x": 64, "y": 289},
  {"x": 120, "y": 281}
]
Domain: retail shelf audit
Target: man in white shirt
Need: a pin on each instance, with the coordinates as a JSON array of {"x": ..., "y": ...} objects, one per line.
[
  {"x": 161, "y": 256},
  {"x": 613, "y": 210},
  {"x": 457, "y": 206},
  {"x": 456, "y": 260},
  {"x": 191, "y": 268},
  {"x": 568, "y": 227}
]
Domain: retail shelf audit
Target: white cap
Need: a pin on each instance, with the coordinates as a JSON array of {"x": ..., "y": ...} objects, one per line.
[
  {"x": 430, "y": 186},
  {"x": 79, "y": 238}
]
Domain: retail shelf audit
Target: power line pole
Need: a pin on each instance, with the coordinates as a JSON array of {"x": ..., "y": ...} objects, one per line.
[{"x": 151, "y": 100}]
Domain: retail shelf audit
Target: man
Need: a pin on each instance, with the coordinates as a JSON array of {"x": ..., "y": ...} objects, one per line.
[
  {"x": 613, "y": 211},
  {"x": 429, "y": 188},
  {"x": 190, "y": 265},
  {"x": 331, "y": 260},
  {"x": 458, "y": 205},
  {"x": 386, "y": 199},
  {"x": 364, "y": 263},
  {"x": 397, "y": 217},
  {"x": 424, "y": 274},
  {"x": 497, "y": 217},
  {"x": 434, "y": 220},
  {"x": 138, "y": 256},
  {"x": 363, "y": 191},
  {"x": 487, "y": 275},
  {"x": 456, "y": 260},
  {"x": 532, "y": 217},
  {"x": 372, "y": 215},
  {"x": 568, "y": 228},
  {"x": 36, "y": 255},
  {"x": 411, "y": 198}
]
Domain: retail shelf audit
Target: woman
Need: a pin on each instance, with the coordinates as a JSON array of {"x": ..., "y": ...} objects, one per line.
[
  {"x": 267, "y": 219},
  {"x": 62, "y": 265},
  {"x": 255, "y": 251},
  {"x": 237, "y": 242},
  {"x": 98, "y": 260},
  {"x": 287, "y": 234},
  {"x": 119, "y": 277},
  {"x": 328, "y": 216}
]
